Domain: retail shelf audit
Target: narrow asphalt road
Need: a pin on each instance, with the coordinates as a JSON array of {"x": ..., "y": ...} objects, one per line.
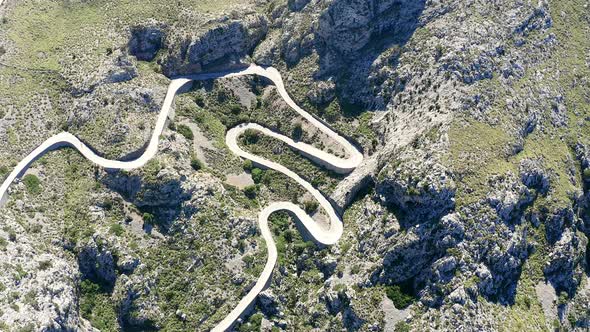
[{"x": 341, "y": 165}]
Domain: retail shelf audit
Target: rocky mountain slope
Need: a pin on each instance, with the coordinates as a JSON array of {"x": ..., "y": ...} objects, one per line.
[{"x": 470, "y": 211}]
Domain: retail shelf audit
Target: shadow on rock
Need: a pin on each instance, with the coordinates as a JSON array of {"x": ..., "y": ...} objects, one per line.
[{"x": 352, "y": 35}]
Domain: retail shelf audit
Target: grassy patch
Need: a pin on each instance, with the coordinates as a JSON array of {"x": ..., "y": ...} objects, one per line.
[
  {"x": 32, "y": 183},
  {"x": 116, "y": 229},
  {"x": 401, "y": 297},
  {"x": 97, "y": 307},
  {"x": 318, "y": 176},
  {"x": 253, "y": 324},
  {"x": 477, "y": 152},
  {"x": 526, "y": 314},
  {"x": 46, "y": 32},
  {"x": 185, "y": 131}
]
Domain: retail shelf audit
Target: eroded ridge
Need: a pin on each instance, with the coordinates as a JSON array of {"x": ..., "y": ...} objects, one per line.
[{"x": 341, "y": 165}]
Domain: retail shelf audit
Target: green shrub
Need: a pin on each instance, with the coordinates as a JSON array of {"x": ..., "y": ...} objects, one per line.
[
  {"x": 248, "y": 260},
  {"x": 95, "y": 305},
  {"x": 310, "y": 206},
  {"x": 300, "y": 246},
  {"x": 251, "y": 136},
  {"x": 247, "y": 165},
  {"x": 297, "y": 131},
  {"x": 235, "y": 109},
  {"x": 332, "y": 112},
  {"x": 318, "y": 181},
  {"x": 250, "y": 191},
  {"x": 587, "y": 174},
  {"x": 185, "y": 131},
  {"x": 196, "y": 164},
  {"x": 44, "y": 265},
  {"x": 30, "y": 298},
  {"x": 413, "y": 191},
  {"x": 572, "y": 319},
  {"x": 116, "y": 229},
  {"x": 253, "y": 325},
  {"x": 257, "y": 175},
  {"x": 3, "y": 170},
  {"x": 151, "y": 170},
  {"x": 345, "y": 246},
  {"x": 27, "y": 328},
  {"x": 401, "y": 298},
  {"x": 402, "y": 327},
  {"x": 12, "y": 235},
  {"x": 148, "y": 218},
  {"x": 32, "y": 184},
  {"x": 439, "y": 52},
  {"x": 200, "y": 101},
  {"x": 21, "y": 273}
]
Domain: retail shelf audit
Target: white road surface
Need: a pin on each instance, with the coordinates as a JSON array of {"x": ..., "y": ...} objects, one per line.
[{"x": 341, "y": 165}]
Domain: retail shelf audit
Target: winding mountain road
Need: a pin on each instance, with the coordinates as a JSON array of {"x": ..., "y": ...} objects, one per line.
[{"x": 341, "y": 165}]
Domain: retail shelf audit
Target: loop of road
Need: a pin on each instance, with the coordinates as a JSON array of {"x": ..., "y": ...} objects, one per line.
[{"x": 341, "y": 165}]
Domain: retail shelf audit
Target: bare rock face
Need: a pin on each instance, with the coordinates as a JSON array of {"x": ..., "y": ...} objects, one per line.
[
  {"x": 583, "y": 154},
  {"x": 567, "y": 262},
  {"x": 297, "y": 5},
  {"x": 347, "y": 26},
  {"x": 508, "y": 196},
  {"x": 410, "y": 253},
  {"x": 137, "y": 304},
  {"x": 556, "y": 222},
  {"x": 226, "y": 44},
  {"x": 165, "y": 188},
  {"x": 268, "y": 302},
  {"x": 533, "y": 175},
  {"x": 502, "y": 268},
  {"x": 233, "y": 39},
  {"x": 159, "y": 183},
  {"x": 421, "y": 190},
  {"x": 322, "y": 92},
  {"x": 146, "y": 41},
  {"x": 41, "y": 286},
  {"x": 96, "y": 262}
]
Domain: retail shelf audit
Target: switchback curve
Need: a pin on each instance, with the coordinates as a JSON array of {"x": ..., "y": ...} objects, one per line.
[{"x": 341, "y": 165}]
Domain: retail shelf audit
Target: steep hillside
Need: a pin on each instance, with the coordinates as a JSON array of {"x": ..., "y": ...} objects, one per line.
[{"x": 470, "y": 211}]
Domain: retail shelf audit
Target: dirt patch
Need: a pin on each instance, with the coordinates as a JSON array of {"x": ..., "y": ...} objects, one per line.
[
  {"x": 201, "y": 144},
  {"x": 239, "y": 180},
  {"x": 548, "y": 298},
  {"x": 392, "y": 314}
]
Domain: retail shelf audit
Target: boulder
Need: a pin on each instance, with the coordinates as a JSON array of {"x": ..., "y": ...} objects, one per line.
[
  {"x": 322, "y": 92},
  {"x": 96, "y": 262},
  {"x": 508, "y": 196},
  {"x": 567, "y": 261},
  {"x": 268, "y": 303},
  {"x": 533, "y": 175}
]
